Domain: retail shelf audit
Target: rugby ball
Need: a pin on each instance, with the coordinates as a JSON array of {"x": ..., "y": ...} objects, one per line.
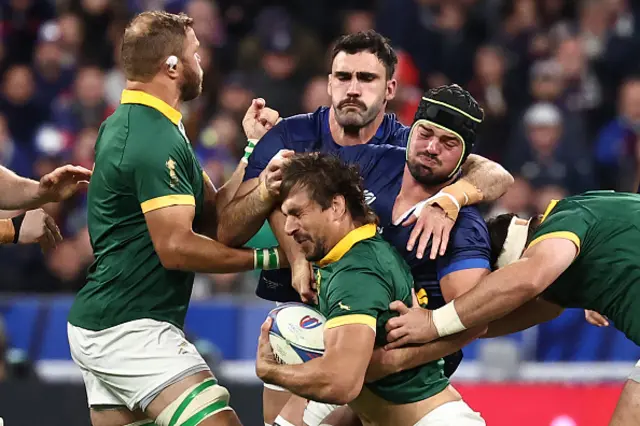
[{"x": 296, "y": 333}]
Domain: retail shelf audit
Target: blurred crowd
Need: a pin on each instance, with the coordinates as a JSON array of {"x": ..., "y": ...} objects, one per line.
[{"x": 559, "y": 81}]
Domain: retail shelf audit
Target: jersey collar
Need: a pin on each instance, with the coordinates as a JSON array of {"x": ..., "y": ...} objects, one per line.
[
  {"x": 345, "y": 244},
  {"x": 143, "y": 98}
]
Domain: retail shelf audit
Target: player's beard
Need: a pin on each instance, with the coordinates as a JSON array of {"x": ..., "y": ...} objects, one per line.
[
  {"x": 352, "y": 114},
  {"x": 191, "y": 85},
  {"x": 425, "y": 174},
  {"x": 319, "y": 250}
]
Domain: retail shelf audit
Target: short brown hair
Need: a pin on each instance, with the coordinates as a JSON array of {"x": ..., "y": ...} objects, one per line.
[
  {"x": 324, "y": 176},
  {"x": 149, "y": 39}
]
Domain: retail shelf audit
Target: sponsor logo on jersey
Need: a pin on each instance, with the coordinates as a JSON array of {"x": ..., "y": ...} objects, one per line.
[
  {"x": 422, "y": 297},
  {"x": 369, "y": 197},
  {"x": 308, "y": 322}
]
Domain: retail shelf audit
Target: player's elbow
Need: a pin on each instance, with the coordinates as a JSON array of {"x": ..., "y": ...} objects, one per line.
[
  {"x": 345, "y": 388},
  {"x": 170, "y": 253}
]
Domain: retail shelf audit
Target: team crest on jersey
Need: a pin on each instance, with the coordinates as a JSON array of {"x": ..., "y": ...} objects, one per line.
[
  {"x": 369, "y": 197},
  {"x": 173, "y": 176}
]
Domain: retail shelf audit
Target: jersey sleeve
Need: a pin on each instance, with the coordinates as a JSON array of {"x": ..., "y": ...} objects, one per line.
[
  {"x": 162, "y": 175},
  {"x": 564, "y": 219},
  {"x": 357, "y": 297},
  {"x": 272, "y": 142},
  {"x": 469, "y": 245}
]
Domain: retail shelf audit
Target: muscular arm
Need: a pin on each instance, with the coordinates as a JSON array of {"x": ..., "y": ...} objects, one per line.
[
  {"x": 245, "y": 214},
  {"x": 501, "y": 292},
  {"x": 531, "y": 313},
  {"x": 487, "y": 176},
  {"x": 453, "y": 285},
  {"x": 17, "y": 192},
  {"x": 180, "y": 248},
  {"x": 229, "y": 190},
  {"x": 333, "y": 378}
]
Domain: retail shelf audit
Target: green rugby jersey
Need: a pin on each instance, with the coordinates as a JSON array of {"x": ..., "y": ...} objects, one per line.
[
  {"x": 143, "y": 162},
  {"x": 605, "y": 275},
  {"x": 356, "y": 282}
]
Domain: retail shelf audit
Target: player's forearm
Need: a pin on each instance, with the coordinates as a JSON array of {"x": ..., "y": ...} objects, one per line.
[
  {"x": 415, "y": 356},
  {"x": 316, "y": 380},
  {"x": 496, "y": 295},
  {"x": 197, "y": 253},
  {"x": 243, "y": 217},
  {"x": 17, "y": 192},
  {"x": 531, "y": 313},
  {"x": 228, "y": 191},
  {"x": 490, "y": 178}
]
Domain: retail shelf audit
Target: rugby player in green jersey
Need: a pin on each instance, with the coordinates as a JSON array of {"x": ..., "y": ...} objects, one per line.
[
  {"x": 584, "y": 252},
  {"x": 359, "y": 275},
  {"x": 152, "y": 219}
]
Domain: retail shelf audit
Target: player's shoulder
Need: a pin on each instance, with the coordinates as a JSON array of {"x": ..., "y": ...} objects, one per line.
[
  {"x": 471, "y": 216},
  {"x": 302, "y": 128}
]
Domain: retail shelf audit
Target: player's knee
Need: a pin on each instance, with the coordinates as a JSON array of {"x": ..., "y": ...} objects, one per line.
[{"x": 195, "y": 404}]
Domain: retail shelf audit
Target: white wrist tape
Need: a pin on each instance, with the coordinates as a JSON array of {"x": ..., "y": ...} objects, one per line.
[
  {"x": 431, "y": 200},
  {"x": 447, "y": 321}
]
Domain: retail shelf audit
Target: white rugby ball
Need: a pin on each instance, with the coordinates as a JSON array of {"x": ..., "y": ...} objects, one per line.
[{"x": 297, "y": 333}]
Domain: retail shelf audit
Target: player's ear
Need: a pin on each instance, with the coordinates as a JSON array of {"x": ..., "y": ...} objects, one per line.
[
  {"x": 392, "y": 86},
  {"x": 329, "y": 89},
  {"x": 172, "y": 66},
  {"x": 339, "y": 206}
]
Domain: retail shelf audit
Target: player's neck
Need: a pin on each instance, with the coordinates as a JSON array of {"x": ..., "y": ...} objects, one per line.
[
  {"x": 165, "y": 92},
  {"x": 342, "y": 231},
  {"x": 364, "y": 135},
  {"x": 412, "y": 192}
]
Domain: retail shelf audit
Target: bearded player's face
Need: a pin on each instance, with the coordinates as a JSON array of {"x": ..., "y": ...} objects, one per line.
[
  {"x": 433, "y": 154},
  {"x": 307, "y": 223},
  {"x": 359, "y": 89},
  {"x": 192, "y": 73}
]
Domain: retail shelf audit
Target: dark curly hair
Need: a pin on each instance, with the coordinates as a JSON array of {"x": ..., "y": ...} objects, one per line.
[
  {"x": 325, "y": 176},
  {"x": 372, "y": 42}
]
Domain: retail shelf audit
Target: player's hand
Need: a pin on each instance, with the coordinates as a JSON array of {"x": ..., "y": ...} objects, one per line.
[
  {"x": 304, "y": 282},
  {"x": 596, "y": 319},
  {"x": 431, "y": 222},
  {"x": 259, "y": 119},
  {"x": 38, "y": 227},
  {"x": 265, "y": 359},
  {"x": 382, "y": 364},
  {"x": 271, "y": 176},
  {"x": 62, "y": 183},
  {"x": 413, "y": 326}
]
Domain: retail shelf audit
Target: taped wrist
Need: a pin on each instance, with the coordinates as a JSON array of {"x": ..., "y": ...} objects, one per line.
[
  {"x": 266, "y": 259},
  {"x": 251, "y": 144},
  {"x": 455, "y": 196},
  {"x": 447, "y": 321},
  {"x": 17, "y": 225}
]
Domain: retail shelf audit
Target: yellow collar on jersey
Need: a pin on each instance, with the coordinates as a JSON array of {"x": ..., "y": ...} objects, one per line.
[
  {"x": 143, "y": 98},
  {"x": 345, "y": 244}
]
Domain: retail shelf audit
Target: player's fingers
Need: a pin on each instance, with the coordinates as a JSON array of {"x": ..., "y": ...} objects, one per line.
[
  {"x": 55, "y": 231},
  {"x": 47, "y": 241},
  {"x": 286, "y": 153},
  {"x": 427, "y": 233},
  {"x": 415, "y": 233},
  {"x": 435, "y": 243},
  {"x": 399, "y": 307},
  {"x": 410, "y": 220},
  {"x": 259, "y": 103},
  {"x": 393, "y": 323},
  {"x": 397, "y": 343},
  {"x": 266, "y": 326},
  {"x": 445, "y": 239}
]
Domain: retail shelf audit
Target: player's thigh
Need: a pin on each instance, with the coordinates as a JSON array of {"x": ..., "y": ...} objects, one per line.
[
  {"x": 108, "y": 415},
  {"x": 274, "y": 398},
  {"x": 316, "y": 412},
  {"x": 452, "y": 413},
  {"x": 627, "y": 410},
  {"x": 341, "y": 416},
  {"x": 292, "y": 413}
]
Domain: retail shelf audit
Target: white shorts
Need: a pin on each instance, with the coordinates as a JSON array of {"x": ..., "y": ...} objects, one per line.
[
  {"x": 456, "y": 413},
  {"x": 316, "y": 412},
  {"x": 131, "y": 363}
]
